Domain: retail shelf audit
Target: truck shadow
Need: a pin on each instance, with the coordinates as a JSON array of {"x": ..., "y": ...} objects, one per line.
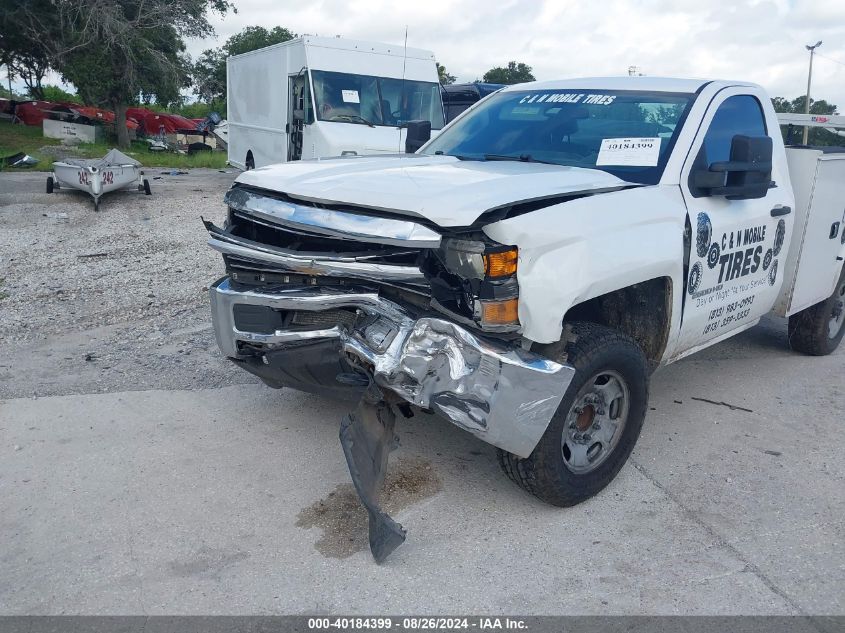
[{"x": 767, "y": 339}]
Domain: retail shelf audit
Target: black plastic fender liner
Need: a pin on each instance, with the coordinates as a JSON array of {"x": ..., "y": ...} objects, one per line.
[{"x": 367, "y": 437}]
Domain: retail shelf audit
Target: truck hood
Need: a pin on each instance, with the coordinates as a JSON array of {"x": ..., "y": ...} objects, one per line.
[{"x": 442, "y": 189}]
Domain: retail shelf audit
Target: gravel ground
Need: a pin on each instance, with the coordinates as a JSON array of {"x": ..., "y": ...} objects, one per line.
[{"x": 109, "y": 301}]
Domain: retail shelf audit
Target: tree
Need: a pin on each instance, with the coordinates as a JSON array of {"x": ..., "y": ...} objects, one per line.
[
  {"x": 515, "y": 73},
  {"x": 31, "y": 69},
  {"x": 25, "y": 58},
  {"x": 817, "y": 136},
  {"x": 209, "y": 71},
  {"x": 254, "y": 37},
  {"x": 115, "y": 50},
  {"x": 209, "y": 75},
  {"x": 445, "y": 77},
  {"x": 59, "y": 94}
]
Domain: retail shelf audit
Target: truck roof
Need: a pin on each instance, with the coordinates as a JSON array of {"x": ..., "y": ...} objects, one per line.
[
  {"x": 650, "y": 84},
  {"x": 342, "y": 43}
]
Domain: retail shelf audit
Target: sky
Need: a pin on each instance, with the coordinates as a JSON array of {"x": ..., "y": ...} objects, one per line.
[{"x": 754, "y": 40}]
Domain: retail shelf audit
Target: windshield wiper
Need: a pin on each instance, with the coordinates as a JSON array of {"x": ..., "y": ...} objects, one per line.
[
  {"x": 353, "y": 118},
  {"x": 522, "y": 158}
]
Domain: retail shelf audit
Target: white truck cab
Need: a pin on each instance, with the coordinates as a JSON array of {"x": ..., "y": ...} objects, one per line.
[
  {"x": 315, "y": 97},
  {"x": 525, "y": 272}
]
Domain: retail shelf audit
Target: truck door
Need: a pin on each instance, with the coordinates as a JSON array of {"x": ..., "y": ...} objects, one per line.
[
  {"x": 298, "y": 113},
  {"x": 735, "y": 248}
]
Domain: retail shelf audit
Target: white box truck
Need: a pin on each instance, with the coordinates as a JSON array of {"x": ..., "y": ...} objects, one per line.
[{"x": 316, "y": 97}]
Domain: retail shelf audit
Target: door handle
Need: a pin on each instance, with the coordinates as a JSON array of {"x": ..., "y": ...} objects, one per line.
[{"x": 781, "y": 210}]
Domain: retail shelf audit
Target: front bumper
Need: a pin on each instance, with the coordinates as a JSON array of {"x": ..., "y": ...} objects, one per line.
[{"x": 505, "y": 396}]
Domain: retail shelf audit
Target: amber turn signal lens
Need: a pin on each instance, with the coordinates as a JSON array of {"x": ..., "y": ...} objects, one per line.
[
  {"x": 500, "y": 312},
  {"x": 501, "y": 264}
]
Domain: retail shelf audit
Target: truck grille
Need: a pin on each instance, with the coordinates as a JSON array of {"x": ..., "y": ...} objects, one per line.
[
  {"x": 280, "y": 241},
  {"x": 251, "y": 228},
  {"x": 266, "y": 320}
]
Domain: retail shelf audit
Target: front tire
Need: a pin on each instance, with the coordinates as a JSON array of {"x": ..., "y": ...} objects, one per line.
[
  {"x": 50, "y": 184},
  {"x": 597, "y": 423},
  {"x": 146, "y": 187},
  {"x": 819, "y": 329}
]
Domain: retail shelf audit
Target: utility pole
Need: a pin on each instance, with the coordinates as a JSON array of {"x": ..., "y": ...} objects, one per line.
[{"x": 812, "y": 50}]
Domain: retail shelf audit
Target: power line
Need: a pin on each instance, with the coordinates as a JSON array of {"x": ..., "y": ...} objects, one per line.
[{"x": 830, "y": 59}]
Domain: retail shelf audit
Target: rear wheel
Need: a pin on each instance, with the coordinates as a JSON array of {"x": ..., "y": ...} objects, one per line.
[
  {"x": 597, "y": 423},
  {"x": 819, "y": 329},
  {"x": 50, "y": 184},
  {"x": 249, "y": 163},
  {"x": 147, "y": 187}
]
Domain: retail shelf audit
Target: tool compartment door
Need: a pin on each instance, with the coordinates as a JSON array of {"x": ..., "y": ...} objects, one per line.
[{"x": 819, "y": 262}]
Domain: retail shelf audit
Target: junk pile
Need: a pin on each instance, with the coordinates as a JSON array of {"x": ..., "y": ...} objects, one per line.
[
  {"x": 163, "y": 131},
  {"x": 18, "y": 160}
]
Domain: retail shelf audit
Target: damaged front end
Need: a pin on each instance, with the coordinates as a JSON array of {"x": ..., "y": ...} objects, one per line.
[{"x": 388, "y": 311}]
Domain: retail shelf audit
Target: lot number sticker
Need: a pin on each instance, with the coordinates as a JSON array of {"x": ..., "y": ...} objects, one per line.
[
  {"x": 350, "y": 96},
  {"x": 633, "y": 152}
]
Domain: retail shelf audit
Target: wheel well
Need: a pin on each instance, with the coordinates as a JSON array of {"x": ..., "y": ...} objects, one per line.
[{"x": 642, "y": 311}]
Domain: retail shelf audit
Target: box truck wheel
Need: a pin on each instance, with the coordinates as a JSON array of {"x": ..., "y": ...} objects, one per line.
[
  {"x": 49, "y": 184},
  {"x": 597, "y": 423},
  {"x": 249, "y": 163},
  {"x": 819, "y": 329}
]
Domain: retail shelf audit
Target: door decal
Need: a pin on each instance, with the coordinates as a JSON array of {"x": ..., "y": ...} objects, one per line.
[
  {"x": 739, "y": 262},
  {"x": 705, "y": 233},
  {"x": 780, "y": 235}
]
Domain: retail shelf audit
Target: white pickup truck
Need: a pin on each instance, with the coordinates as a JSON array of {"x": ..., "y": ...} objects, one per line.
[{"x": 525, "y": 272}]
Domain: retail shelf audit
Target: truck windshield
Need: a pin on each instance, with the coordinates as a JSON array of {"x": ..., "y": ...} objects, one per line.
[
  {"x": 364, "y": 99},
  {"x": 626, "y": 133}
]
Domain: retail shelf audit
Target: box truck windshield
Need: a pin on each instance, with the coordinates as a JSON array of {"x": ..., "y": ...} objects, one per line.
[{"x": 379, "y": 101}]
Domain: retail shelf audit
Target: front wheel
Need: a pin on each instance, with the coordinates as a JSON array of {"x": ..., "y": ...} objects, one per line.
[
  {"x": 597, "y": 423},
  {"x": 819, "y": 329},
  {"x": 146, "y": 187},
  {"x": 50, "y": 184}
]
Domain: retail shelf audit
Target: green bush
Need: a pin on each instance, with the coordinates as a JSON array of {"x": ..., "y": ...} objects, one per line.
[{"x": 55, "y": 93}]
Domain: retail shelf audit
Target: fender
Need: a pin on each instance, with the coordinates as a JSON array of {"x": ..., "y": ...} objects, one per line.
[{"x": 575, "y": 251}]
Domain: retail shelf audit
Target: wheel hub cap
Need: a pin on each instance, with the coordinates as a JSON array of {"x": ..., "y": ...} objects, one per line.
[
  {"x": 595, "y": 422},
  {"x": 585, "y": 418}
]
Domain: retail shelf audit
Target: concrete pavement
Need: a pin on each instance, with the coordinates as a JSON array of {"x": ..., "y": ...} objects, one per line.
[{"x": 237, "y": 500}]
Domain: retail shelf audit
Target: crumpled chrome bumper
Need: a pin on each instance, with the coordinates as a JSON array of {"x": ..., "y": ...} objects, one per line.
[{"x": 505, "y": 396}]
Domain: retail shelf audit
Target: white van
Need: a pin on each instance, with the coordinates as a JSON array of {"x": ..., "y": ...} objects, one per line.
[{"x": 314, "y": 97}]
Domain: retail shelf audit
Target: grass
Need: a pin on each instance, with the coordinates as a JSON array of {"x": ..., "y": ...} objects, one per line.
[{"x": 30, "y": 139}]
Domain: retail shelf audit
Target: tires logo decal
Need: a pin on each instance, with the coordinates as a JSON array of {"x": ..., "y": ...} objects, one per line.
[
  {"x": 713, "y": 255},
  {"x": 767, "y": 260},
  {"x": 773, "y": 273},
  {"x": 780, "y": 235},
  {"x": 704, "y": 234},
  {"x": 695, "y": 278}
]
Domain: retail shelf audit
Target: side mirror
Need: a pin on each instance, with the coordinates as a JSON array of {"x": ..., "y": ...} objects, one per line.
[
  {"x": 746, "y": 176},
  {"x": 419, "y": 133}
]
